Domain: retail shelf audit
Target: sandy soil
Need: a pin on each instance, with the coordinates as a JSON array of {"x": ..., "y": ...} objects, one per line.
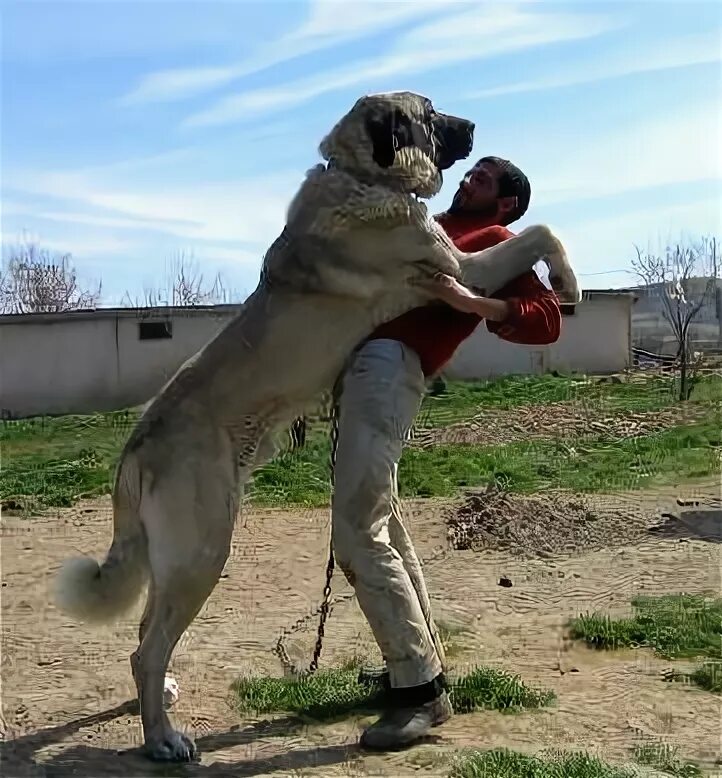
[{"x": 67, "y": 689}]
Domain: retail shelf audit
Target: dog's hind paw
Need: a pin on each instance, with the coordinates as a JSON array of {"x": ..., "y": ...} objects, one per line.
[{"x": 172, "y": 747}]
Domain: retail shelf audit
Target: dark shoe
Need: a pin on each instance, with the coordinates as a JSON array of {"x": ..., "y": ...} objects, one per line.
[
  {"x": 401, "y": 727},
  {"x": 375, "y": 676}
]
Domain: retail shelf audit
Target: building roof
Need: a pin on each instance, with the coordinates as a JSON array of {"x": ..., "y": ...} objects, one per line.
[
  {"x": 592, "y": 294},
  {"x": 169, "y": 311},
  {"x": 154, "y": 312}
]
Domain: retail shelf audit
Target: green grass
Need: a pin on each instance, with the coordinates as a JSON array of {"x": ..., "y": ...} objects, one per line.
[
  {"x": 461, "y": 400},
  {"x": 55, "y": 461},
  {"x": 502, "y": 763},
  {"x": 489, "y": 689},
  {"x": 680, "y": 452},
  {"x": 333, "y": 694},
  {"x": 675, "y": 626},
  {"x": 302, "y": 477},
  {"x": 664, "y": 757}
]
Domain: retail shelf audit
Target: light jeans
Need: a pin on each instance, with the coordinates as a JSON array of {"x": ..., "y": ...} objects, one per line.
[{"x": 381, "y": 393}]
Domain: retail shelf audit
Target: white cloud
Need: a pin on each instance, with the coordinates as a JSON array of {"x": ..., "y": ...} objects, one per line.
[
  {"x": 668, "y": 55},
  {"x": 482, "y": 32},
  {"x": 329, "y": 23},
  {"x": 181, "y": 83},
  {"x": 681, "y": 147},
  {"x": 250, "y": 210},
  {"x": 99, "y": 220},
  {"x": 128, "y": 166}
]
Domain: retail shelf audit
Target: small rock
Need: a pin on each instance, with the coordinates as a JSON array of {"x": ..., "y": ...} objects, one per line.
[{"x": 506, "y": 582}]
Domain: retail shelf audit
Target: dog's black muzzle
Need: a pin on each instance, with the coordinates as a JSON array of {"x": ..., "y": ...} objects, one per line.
[{"x": 454, "y": 138}]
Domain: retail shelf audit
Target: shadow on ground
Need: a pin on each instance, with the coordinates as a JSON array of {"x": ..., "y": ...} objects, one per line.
[
  {"x": 691, "y": 525},
  {"x": 18, "y": 756}
]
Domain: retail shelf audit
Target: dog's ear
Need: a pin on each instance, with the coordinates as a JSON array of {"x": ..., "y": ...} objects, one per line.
[{"x": 380, "y": 130}]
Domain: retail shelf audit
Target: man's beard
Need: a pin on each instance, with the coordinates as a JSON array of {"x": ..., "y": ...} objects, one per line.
[{"x": 460, "y": 204}]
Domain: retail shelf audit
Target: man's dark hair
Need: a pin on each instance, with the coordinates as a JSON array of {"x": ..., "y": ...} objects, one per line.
[{"x": 512, "y": 183}]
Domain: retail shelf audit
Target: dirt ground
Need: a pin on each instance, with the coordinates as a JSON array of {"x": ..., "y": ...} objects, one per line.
[{"x": 67, "y": 689}]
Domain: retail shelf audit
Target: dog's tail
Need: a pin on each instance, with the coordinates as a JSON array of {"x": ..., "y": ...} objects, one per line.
[{"x": 102, "y": 593}]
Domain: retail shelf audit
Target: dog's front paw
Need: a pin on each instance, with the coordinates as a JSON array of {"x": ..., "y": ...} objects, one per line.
[
  {"x": 567, "y": 288},
  {"x": 563, "y": 280},
  {"x": 171, "y": 747}
]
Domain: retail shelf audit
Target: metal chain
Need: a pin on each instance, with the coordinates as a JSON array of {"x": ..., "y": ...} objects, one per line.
[
  {"x": 330, "y": 565},
  {"x": 324, "y": 609},
  {"x": 280, "y": 648}
]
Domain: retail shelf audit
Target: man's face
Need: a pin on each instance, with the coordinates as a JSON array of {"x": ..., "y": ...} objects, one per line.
[{"x": 479, "y": 191}]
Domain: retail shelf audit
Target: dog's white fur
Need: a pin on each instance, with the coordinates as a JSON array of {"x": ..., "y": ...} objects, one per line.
[{"x": 356, "y": 240}]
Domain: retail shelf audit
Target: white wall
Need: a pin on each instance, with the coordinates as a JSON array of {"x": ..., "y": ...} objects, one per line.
[
  {"x": 92, "y": 362},
  {"x": 596, "y": 339},
  {"x": 146, "y": 365},
  {"x": 53, "y": 368},
  {"x": 85, "y": 362}
]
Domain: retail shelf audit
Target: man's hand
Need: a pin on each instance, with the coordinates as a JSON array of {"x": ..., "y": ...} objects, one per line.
[
  {"x": 459, "y": 297},
  {"x": 450, "y": 291}
]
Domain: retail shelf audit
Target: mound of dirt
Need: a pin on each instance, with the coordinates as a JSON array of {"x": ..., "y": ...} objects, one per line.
[{"x": 541, "y": 525}]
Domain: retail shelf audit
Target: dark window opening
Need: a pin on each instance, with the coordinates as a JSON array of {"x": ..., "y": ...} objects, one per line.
[
  {"x": 154, "y": 330},
  {"x": 568, "y": 310}
]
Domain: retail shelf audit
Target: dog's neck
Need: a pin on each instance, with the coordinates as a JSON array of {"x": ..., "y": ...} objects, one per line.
[{"x": 364, "y": 177}]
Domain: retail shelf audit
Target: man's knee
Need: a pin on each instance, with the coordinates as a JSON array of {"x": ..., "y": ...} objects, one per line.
[{"x": 364, "y": 553}]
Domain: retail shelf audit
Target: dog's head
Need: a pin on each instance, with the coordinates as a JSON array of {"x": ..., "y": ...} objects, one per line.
[{"x": 399, "y": 139}]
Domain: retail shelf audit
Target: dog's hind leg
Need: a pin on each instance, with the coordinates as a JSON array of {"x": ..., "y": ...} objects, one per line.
[{"x": 189, "y": 535}]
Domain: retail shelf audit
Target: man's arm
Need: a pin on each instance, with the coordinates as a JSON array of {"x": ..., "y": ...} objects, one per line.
[
  {"x": 534, "y": 316},
  {"x": 463, "y": 299},
  {"x": 523, "y": 312}
]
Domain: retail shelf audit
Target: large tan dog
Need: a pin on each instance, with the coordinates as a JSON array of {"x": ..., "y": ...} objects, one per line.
[{"x": 357, "y": 239}]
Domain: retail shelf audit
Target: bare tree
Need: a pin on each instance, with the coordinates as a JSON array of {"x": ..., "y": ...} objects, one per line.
[
  {"x": 35, "y": 280},
  {"x": 184, "y": 286},
  {"x": 686, "y": 277}
]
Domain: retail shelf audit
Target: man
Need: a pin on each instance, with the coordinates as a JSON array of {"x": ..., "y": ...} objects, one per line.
[{"x": 380, "y": 395}]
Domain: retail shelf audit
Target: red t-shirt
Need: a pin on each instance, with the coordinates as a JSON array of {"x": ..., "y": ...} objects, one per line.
[{"x": 436, "y": 330}]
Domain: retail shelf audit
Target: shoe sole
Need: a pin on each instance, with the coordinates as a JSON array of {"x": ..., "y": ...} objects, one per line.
[{"x": 403, "y": 746}]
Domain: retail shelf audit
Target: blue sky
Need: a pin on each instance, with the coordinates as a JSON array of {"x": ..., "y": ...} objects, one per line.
[{"x": 132, "y": 131}]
